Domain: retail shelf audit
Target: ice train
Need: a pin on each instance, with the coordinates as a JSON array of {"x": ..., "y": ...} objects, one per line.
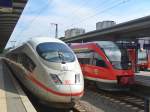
[{"x": 49, "y": 69}]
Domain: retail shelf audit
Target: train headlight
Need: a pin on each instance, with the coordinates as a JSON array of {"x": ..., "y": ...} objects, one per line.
[
  {"x": 55, "y": 79},
  {"x": 77, "y": 78}
]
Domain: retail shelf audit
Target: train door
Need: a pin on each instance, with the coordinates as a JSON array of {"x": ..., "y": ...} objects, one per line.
[
  {"x": 148, "y": 60},
  {"x": 132, "y": 57},
  {"x": 147, "y": 47},
  {"x": 100, "y": 69},
  {"x": 142, "y": 61}
]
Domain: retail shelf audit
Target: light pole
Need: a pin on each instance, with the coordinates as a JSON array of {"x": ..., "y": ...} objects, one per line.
[{"x": 56, "y": 29}]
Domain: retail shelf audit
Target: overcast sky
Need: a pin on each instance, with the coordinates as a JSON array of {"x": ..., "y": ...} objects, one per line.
[{"x": 38, "y": 15}]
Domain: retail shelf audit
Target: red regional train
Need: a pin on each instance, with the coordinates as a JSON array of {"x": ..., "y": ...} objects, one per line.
[{"x": 106, "y": 64}]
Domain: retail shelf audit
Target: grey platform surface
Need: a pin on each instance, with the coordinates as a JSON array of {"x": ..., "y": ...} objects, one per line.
[{"x": 11, "y": 100}]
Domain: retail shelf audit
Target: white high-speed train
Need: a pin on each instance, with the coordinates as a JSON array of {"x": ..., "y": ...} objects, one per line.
[{"x": 49, "y": 69}]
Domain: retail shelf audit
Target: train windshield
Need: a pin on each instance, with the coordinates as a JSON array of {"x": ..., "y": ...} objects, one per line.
[
  {"x": 118, "y": 57},
  {"x": 55, "y": 52},
  {"x": 142, "y": 56}
]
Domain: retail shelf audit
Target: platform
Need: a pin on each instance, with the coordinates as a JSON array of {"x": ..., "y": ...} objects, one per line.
[
  {"x": 143, "y": 78},
  {"x": 12, "y": 97},
  {"x": 143, "y": 73}
]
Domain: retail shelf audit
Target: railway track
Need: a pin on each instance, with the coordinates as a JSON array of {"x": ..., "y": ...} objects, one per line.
[
  {"x": 124, "y": 98},
  {"x": 81, "y": 106},
  {"x": 131, "y": 99}
]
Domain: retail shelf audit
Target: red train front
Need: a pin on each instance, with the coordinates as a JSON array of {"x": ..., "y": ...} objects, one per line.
[{"x": 105, "y": 63}]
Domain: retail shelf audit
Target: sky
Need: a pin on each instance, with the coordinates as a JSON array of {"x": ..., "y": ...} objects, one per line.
[{"x": 39, "y": 15}]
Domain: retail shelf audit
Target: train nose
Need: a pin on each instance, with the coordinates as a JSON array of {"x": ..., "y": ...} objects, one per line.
[
  {"x": 68, "y": 84},
  {"x": 68, "y": 93},
  {"x": 67, "y": 78}
]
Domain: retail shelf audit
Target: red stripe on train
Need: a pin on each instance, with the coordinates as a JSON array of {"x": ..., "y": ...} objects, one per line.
[{"x": 38, "y": 83}]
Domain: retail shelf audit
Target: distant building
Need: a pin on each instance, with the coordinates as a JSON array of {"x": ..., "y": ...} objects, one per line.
[
  {"x": 74, "y": 32},
  {"x": 104, "y": 24}
]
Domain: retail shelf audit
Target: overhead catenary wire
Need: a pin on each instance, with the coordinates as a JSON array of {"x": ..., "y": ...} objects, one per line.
[
  {"x": 77, "y": 9},
  {"x": 103, "y": 11},
  {"x": 79, "y": 22},
  {"x": 100, "y": 12},
  {"x": 30, "y": 8},
  {"x": 97, "y": 5},
  {"x": 34, "y": 18},
  {"x": 123, "y": 18},
  {"x": 101, "y": 3},
  {"x": 75, "y": 12}
]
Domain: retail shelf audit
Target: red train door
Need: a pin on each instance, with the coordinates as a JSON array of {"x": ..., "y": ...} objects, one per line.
[
  {"x": 101, "y": 68},
  {"x": 148, "y": 59},
  {"x": 132, "y": 56}
]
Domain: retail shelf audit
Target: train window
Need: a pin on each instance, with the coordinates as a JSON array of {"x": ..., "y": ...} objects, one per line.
[
  {"x": 90, "y": 57},
  {"x": 98, "y": 61},
  {"x": 142, "y": 56},
  {"x": 84, "y": 57},
  {"x": 19, "y": 58},
  {"x": 55, "y": 52},
  {"x": 84, "y": 60},
  {"x": 13, "y": 56},
  {"x": 26, "y": 62},
  {"x": 118, "y": 57}
]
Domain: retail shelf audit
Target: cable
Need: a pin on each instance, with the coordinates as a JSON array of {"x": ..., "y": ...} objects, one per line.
[
  {"x": 120, "y": 18},
  {"x": 103, "y": 11},
  {"x": 75, "y": 10},
  {"x": 35, "y": 17},
  {"x": 95, "y": 8},
  {"x": 30, "y": 8},
  {"x": 74, "y": 13},
  {"x": 84, "y": 3}
]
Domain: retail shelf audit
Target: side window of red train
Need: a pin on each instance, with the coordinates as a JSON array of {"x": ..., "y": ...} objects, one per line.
[
  {"x": 84, "y": 57},
  {"x": 98, "y": 60}
]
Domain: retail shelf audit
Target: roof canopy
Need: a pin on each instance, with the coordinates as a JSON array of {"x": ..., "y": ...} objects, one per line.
[
  {"x": 130, "y": 30},
  {"x": 9, "y": 15}
]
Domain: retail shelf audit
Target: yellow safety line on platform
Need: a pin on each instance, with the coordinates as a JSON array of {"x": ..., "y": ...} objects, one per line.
[{"x": 3, "y": 104}]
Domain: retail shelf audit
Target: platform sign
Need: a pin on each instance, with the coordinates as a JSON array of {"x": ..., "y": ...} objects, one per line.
[{"x": 5, "y": 5}]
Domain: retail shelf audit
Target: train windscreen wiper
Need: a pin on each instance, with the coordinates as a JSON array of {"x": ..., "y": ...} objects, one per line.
[{"x": 61, "y": 56}]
